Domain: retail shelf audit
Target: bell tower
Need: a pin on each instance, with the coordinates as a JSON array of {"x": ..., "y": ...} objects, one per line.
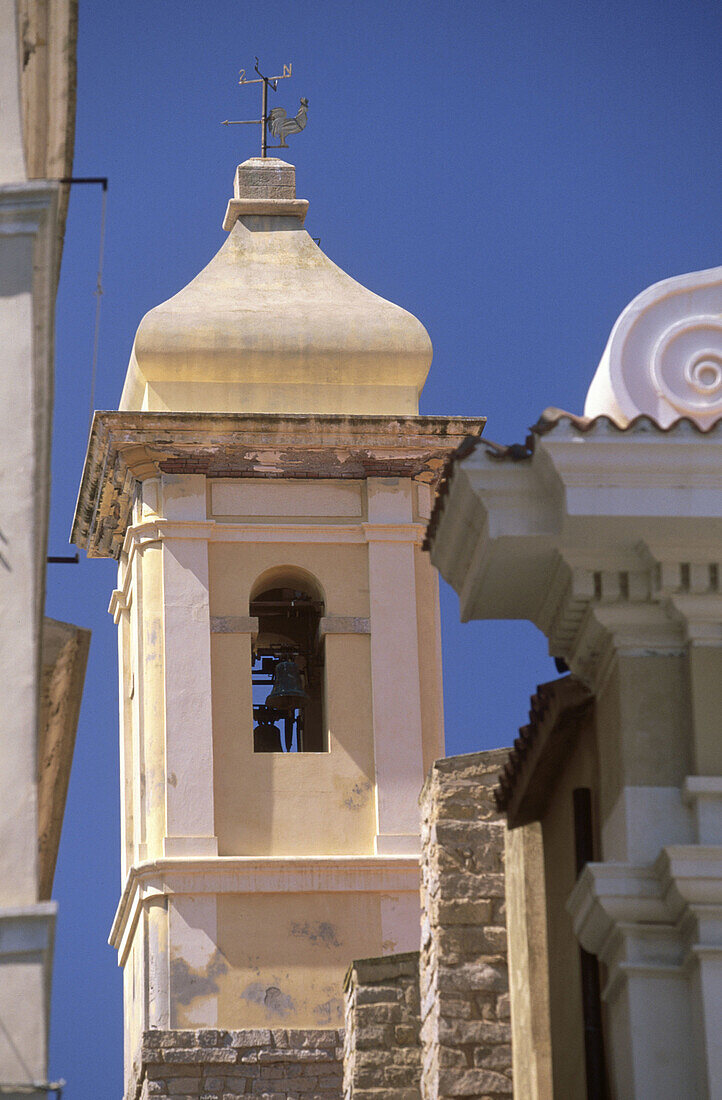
[{"x": 265, "y": 487}]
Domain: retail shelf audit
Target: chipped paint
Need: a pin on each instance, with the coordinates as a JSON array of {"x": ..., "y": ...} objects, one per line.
[
  {"x": 329, "y": 1012},
  {"x": 126, "y": 449},
  {"x": 357, "y": 796},
  {"x": 273, "y": 999},
  {"x": 317, "y": 932},
  {"x": 189, "y": 983}
]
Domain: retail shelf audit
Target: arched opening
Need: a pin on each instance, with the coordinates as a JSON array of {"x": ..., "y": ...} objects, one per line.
[{"x": 287, "y": 668}]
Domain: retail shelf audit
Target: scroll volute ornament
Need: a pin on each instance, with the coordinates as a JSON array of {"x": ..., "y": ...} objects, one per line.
[{"x": 664, "y": 355}]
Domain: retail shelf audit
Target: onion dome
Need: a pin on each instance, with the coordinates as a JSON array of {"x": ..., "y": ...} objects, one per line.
[{"x": 271, "y": 325}]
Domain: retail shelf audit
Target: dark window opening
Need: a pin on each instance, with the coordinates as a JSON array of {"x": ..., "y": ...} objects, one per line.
[{"x": 287, "y": 672}]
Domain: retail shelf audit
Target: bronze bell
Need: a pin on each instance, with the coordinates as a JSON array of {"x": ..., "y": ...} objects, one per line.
[
  {"x": 266, "y": 735},
  {"x": 287, "y": 692}
]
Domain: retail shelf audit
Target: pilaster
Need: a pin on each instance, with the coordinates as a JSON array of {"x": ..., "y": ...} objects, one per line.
[
  {"x": 190, "y": 827},
  {"x": 398, "y": 744}
]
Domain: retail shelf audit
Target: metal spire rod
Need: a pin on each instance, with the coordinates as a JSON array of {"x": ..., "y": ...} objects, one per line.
[{"x": 266, "y": 81}]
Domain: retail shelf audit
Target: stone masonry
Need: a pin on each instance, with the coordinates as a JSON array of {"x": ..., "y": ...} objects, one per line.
[
  {"x": 264, "y": 1064},
  {"x": 382, "y": 1057},
  {"x": 465, "y": 1017}
]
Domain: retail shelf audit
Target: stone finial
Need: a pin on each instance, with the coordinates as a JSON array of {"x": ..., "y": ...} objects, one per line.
[
  {"x": 664, "y": 355},
  {"x": 264, "y": 186}
]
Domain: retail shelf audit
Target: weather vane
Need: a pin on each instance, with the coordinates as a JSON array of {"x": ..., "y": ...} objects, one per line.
[{"x": 276, "y": 121}]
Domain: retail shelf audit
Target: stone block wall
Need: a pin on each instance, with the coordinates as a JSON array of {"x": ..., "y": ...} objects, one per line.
[
  {"x": 382, "y": 1057},
  {"x": 226, "y": 1065},
  {"x": 464, "y": 983}
]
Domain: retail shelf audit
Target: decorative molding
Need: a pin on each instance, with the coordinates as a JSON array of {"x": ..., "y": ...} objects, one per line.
[
  {"x": 120, "y": 601},
  {"x": 257, "y": 875},
  {"x": 28, "y": 929},
  {"x": 607, "y": 539},
  {"x": 697, "y": 787},
  {"x": 691, "y": 876},
  {"x": 127, "y": 448},
  {"x": 652, "y": 915},
  {"x": 26, "y": 207},
  {"x": 243, "y": 208},
  {"x": 607, "y": 894}
]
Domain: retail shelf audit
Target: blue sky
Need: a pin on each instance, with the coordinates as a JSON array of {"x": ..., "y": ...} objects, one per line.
[{"x": 513, "y": 173}]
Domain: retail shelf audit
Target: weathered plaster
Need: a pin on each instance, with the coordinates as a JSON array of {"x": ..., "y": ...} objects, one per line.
[
  {"x": 127, "y": 449},
  {"x": 64, "y": 657}
]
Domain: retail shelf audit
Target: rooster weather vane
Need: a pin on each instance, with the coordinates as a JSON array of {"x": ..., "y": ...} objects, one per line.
[{"x": 276, "y": 120}]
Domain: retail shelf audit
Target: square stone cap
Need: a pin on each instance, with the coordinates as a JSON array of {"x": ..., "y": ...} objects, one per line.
[
  {"x": 383, "y": 968},
  {"x": 266, "y": 187},
  {"x": 265, "y": 178}
]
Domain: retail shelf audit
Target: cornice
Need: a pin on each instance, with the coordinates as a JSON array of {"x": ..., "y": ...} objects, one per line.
[
  {"x": 658, "y": 917},
  {"x": 26, "y": 207},
  {"x": 607, "y": 539},
  {"x": 241, "y": 208},
  {"x": 127, "y": 448},
  {"x": 256, "y": 875}
]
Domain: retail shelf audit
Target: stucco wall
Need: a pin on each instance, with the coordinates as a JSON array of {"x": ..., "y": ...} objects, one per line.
[
  {"x": 300, "y": 881},
  {"x": 526, "y": 922},
  {"x": 280, "y": 960},
  {"x": 564, "y": 976},
  {"x": 29, "y": 262}
]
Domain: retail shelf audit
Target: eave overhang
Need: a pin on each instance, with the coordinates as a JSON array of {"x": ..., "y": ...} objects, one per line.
[
  {"x": 129, "y": 447},
  {"x": 586, "y": 493},
  {"x": 559, "y": 711}
]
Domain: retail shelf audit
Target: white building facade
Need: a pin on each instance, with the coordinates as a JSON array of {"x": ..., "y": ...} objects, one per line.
[
  {"x": 42, "y": 662},
  {"x": 605, "y": 531}
]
